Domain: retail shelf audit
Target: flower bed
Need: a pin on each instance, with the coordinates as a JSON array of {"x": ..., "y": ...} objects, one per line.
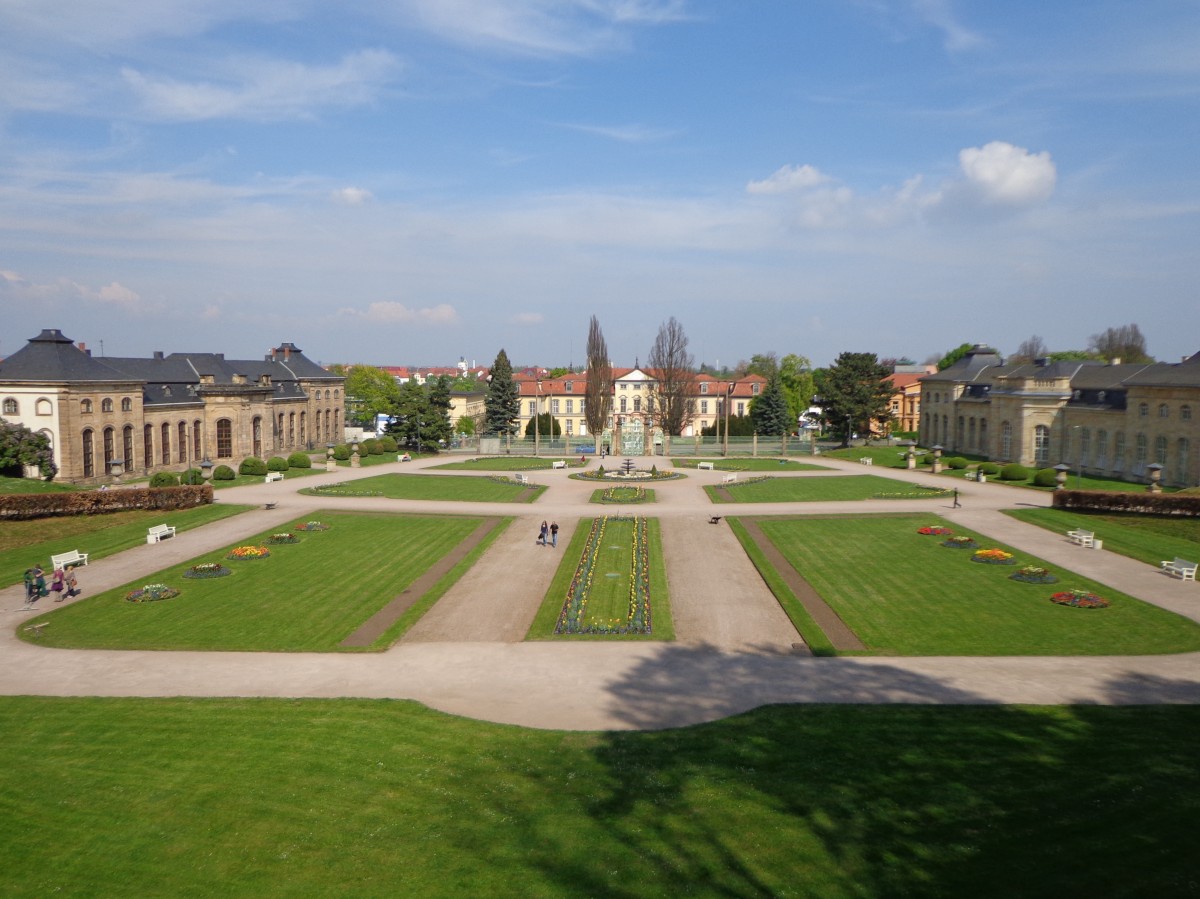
[
  {"x": 152, "y": 593},
  {"x": 623, "y": 495},
  {"x": 935, "y": 531},
  {"x": 249, "y": 553},
  {"x": 960, "y": 542},
  {"x": 1033, "y": 574},
  {"x": 573, "y": 618},
  {"x": 993, "y": 557},
  {"x": 207, "y": 569},
  {"x": 1079, "y": 599},
  {"x": 312, "y": 526},
  {"x": 277, "y": 539}
]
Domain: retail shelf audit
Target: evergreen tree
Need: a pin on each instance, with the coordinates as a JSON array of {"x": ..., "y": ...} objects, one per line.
[
  {"x": 503, "y": 402},
  {"x": 546, "y": 423},
  {"x": 857, "y": 390},
  {"x": 438, "y": 410},
  {"x": 770, "y": 410}
]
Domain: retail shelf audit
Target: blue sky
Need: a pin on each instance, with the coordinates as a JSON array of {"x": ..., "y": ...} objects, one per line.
[{"x": 411, "y": 181}]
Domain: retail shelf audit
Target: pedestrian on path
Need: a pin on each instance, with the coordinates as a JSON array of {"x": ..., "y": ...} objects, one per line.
[
  {"x": 542, "y": 533},
  {"x": 39, "y": 582},
  {"x": 56, "y": 584},
  {"x": 554, "y": 534},
  {"x": 957, "y": 504},
  {"x": 29, "y": 594},
  {"x": 72, "y": 584}
]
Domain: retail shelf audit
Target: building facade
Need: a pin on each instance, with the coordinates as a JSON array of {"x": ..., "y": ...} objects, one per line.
[
  {"x": 112, "y": 415},
  {"x": 1107, "y": 420}
]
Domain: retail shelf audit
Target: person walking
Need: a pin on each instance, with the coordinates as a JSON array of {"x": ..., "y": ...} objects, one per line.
[
  {"x": 29, "y": 594},
  {"x": 56, "y": 584},
  {"x": 39, "y": 582},
  {"x": 957, "y": 504},
  {"x": 554, "y": 534},
  {"x": 542, "y": 533},
  {"x": 71, "y": 583}
]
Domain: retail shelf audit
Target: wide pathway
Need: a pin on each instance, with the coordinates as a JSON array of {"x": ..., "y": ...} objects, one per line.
[{"x": 734, "y": 651}]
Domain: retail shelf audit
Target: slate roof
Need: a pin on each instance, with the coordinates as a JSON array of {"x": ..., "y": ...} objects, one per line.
[{"x": 53, "y": 357}]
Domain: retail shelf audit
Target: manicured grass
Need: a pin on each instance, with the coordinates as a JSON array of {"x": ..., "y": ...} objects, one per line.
[
  {"x": 903, "y": 593},
  {"x": 432, "y": 487},
  {"x": 22, "y": 543},
  {"x": 887, "y": 456},
  {"x": 509, "y": 463},
  {"x": 1147, "y": 538},
  {"x": 660, "y": 599},
  {"x": 833, "y": 489},
  {"x": 306, "y": 597},
  {"x": 244, "y": 480},
  {"x": 36, "y": 485},
  {"x": 751, "y": 464},
  {"x": 249, "y": 798},
  {"x": 622, "y": 495}
]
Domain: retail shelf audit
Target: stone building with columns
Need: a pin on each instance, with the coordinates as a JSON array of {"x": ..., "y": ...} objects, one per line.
[
  {"x": 1112, "y": 420},
  {"x": 114, "y": 415}
]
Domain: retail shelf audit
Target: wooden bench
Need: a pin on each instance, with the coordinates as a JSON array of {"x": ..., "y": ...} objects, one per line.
[
  {"x": 866, "y": 460},
  {"x": 521, "y": 479},
  {"x": 704, "y": 466},
  {"x": 159, "y": 532},
  {"x": 274, "y": 476},
  {"x": 1082, "y": 538},
  {"x": 729, "y": 478},
  {"x": 559, "y": 464},
  {"x": 69, "y": 559},
  {"x": 1180, "y": 568}
]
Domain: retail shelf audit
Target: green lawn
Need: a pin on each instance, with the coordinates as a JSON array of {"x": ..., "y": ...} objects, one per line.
[
  {"x": 35, "y": 485},
  {"x": 903, "y": 593},
  {"x": 608, "y": 590},
  {"x": 750, "y": 464},
  {"x": 306, "y": 597},
  {"x": 509, "y": 463},
  {"x": 24, "y": 543},
  {"x": 432, "y": 487},
  {"x": 1147, "y": 538},
  {"x": 822, "y": 489},
  {"x": 188, "y": 798}
]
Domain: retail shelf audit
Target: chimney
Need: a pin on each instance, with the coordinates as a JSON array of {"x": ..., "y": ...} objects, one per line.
[
  {"x": 158, "y": 354},
  {"x": 83, "y": 347},
  {"x": 287, "y": 352}
]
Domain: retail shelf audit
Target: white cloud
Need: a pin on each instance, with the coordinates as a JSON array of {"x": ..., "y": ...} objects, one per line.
[
  {"x": 528, "y": 318},
  {"x": 939, "y": 14},
  {"x": 265, "y": 90},
  {"x": 352, "y": 196},
  {"x": 64, "y": 292},
  {"x": 630, "y": 134},
  {"x": 1009, "y": 175},
  {"x": 391, "y": 313},
  {"x": 788, "y": 178}
]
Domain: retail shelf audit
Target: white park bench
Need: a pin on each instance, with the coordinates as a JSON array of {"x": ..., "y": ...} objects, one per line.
[
  {"x": 68, "y": 559},
  {"x": 1082, "y": 538},
  {"x": 559, "y": 464},
  {"x": 704, "y": 466},
  {"x": 274, "y": 476},
  {"x": 159, "y": 532},
  {"x": 865, "y": 460},
  {"x": 521, "y": 479},
  {"x": 1180, "y": 568},
  {"x": 729, "y": 478}
]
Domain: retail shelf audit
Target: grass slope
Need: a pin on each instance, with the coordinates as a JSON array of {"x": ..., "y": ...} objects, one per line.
[{"x": 1147, "y": 538}]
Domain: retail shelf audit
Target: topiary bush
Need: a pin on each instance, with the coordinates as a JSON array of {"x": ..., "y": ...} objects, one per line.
[
  {"x": 926, "y": 459},
  {"x": 164, "y": 479},
  {"x": 341, "y": 452},
  {"x": 989, "y": 468},
  {"x": 1014, "y": 472},
  {"x": 192, "y": 477},
  {"x": 389, "y": 444},
  {"x": 1045, "y": 477},
  {"x": 252, "y": 465},
  {"x": 299, "y": 460},
  {"x": 277, "y": 463},
  {"x": 958, "y": 463},
  {"x": 224, "y": 473}
]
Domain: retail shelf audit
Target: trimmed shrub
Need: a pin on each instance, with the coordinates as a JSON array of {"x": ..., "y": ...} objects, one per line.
[
  {"x": 388, "y": 443},
  {"x": 1184, "y": 504},
  {"x": 27, "y": 506},
  {"x": 370, "y": 447},
  {"x": 252, "y": 465},
  {"x": 926, "y": 459},
  {"x": 192, "y": 476},
  {"x": 958, "y": 463},
  {"x": 277, "y": 463},
  {"x": 341, "y": 452},
  {"x": 1014, "y": 472},
  {"x": 989, "y": 468},
  {"x": 1045, "y": 477},
  {"x": 299, "y": 460},
  {"x": 164, "y": 479},
  {"x": 224, "y": 473}
]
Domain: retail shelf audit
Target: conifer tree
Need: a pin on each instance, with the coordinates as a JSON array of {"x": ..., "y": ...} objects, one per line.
[{"x": 503, "y": 403}]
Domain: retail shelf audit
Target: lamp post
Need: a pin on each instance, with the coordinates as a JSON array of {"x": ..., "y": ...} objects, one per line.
[
  {"x": 728, "y": 403},
  {"x": 537, "y": 414},
  {"x": 937, "y": 458},
  {"x": 1060, "y": 477},
  {"x": 1155, "y": 469},
  {"x": 330, "y": 462},
  {"x": 355, "y": 460},
  {"x": 206, "y": 468}
]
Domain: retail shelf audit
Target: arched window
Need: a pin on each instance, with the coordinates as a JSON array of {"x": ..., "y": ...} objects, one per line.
[
  {"x": 165, "y": 438},
  {"x": 127, "y": 446},
  {"x": 971, "y": 433},
  {"x": 1160, "y": 450},
  {"x": 43, "y": 407},
  {"x": 303, "y": 428},
  {"x": 196, "y": 454},
  {"x": 1041, "y": 444},
  {"x": 256, "y": 436},
  {"x": 89, "y": 451},
  {"x": 10, "y": 406},
  {"x": 291, "y": 429},
  {"x": 106, "y": 405},
  {"x": 85, "y": 407},
  {"x": 182, "y": 441},
  {"x": 148, "y": 446},
  {"x": 1119, "y": 451},
  {"x": 1182, "y": 449},
  {"x": 960, "y": 434},
  {"x": 224, "y": 438},
  {"x": 110, "y": 449},
  {"x": 1164, "y": 410},
  {"x": 983, "y": 435},
  {"x": 126, "y": 404},
  {"x": 1139, "y": 453},
  {"x": 1101, "y": 448}
]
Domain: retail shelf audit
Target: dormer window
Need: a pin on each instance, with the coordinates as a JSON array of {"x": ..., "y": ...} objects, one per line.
[
  {"x": 166, "y": 390},
  {"x": 754, "y": 389},
  {"x": 704, "y": 387},
  {"x": 1101, "y": 395},
  {"x": 569, "y": 386}
]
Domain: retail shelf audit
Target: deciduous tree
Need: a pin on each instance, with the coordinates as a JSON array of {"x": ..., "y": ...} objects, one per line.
[
  {"x": 1125, "y": 343},
  {"x": 674, "y": 369},
  {"x": 20, "y": 446},
  {"x": 371, "y": 391}
]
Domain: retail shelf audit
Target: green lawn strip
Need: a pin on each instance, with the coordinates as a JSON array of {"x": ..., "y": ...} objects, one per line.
[
  {"x": 814, "y": 637},
  {"x": 192, "y": 798},
  {"x": 23, "y": 543},
  {"x": 11, "y": 486},
  {"x": 839, "y": 489},
  {"x": 622, "y": 496},
  {"x": 431, "y": 487},
  {"x": 306, "y": 597},
  {"x": 247, "y": 480},
  {"x": 508, "y": 463},
  {"x": 606, "y": 589},
  {"x": 903, "y": 593},
  {"x": 1147, "y": 538},
  {"x": 426, "y": 602},
  {"x": 750, "y": 464},
  {"x": 887, "y": 456}
]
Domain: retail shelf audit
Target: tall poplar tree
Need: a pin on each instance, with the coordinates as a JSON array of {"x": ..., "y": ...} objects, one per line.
[
  {"x": 503, "y": 402},
  {"x": 599, "y": 380}
]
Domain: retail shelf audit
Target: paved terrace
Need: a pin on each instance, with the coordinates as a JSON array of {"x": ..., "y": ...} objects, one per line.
[{"x": 735, "y": 651}]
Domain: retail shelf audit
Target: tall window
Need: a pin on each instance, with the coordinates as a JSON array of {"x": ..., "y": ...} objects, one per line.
[
  {"x": 1182, "y": 449},
  {"x": 1085, "y": 445},
  {"x": 1185, "y": 412},
  {"x": 148, "y": 446},
  {"x": 256, "y": 436},
  {"x": 624, "y": 404},
  {"x": 1041, "y": 444},
  {"x": 971, "y": 434},
  {"x": 1160, "y": 450},
  {"x": 165, "y": 438},
  {"x": 89, "y": 463},
  {"x": 127, "y": 446},
  {"x": 196, "y": 454},
  {"x": 85, "y": 406},
  {"x": 279, "y": 432},
  {"x": 1164, "y": 411},
  {"x": 224, "y": 438},
  {"x": 570, "y": 407},
  {"x": 10, "y": 406},
  {"x": 291, "y": 429},
  {"x": 109, "y": 449},
  {"x": 1101, "y": 448},
  {"x": 1119, "y": 451},
  {"x": 532, "y": 408},
  {"x": 182, "y": 441},
  {"x": 637, "y": 404},
  {"x": 126, "y": 404},
  {"x": 303, "y": 427},
  {"x": 1143, "y": 410},
  {"x": 1139, "y": 453},
  {"x": 983, "y": 435}
]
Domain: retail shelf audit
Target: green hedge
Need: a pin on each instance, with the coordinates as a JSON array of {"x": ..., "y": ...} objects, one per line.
[
  {"x": 25, "y": 506},
  {"x": 1180, "y": 504},
  {"x": 1014, "y": 472},
  {"x": 299, "y": 460},
  {"x": 1045, "y": 477},
  {"x": 252, "y": 465},
  {"x": 224, "y": 473},
  {"x": 164, "y": 479},
  {"x": 277, "y": 463}
]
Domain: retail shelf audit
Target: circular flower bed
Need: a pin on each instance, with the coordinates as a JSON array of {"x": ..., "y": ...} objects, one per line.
[
  {"x": 312, "y": 526},
  {"x": 960, "y": 543},
  {"x": 276, "y": 539},
  {"x": 248, "y": 553},
  {"x": 1032, "y": 574},
  {"x": 207, "y": 569},
  {"x": 1079, "y": 599},
  {"x": 935, "y": 532},
  {"x": 152, "y": 593},
  {"x": 993, "y": 557}
]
